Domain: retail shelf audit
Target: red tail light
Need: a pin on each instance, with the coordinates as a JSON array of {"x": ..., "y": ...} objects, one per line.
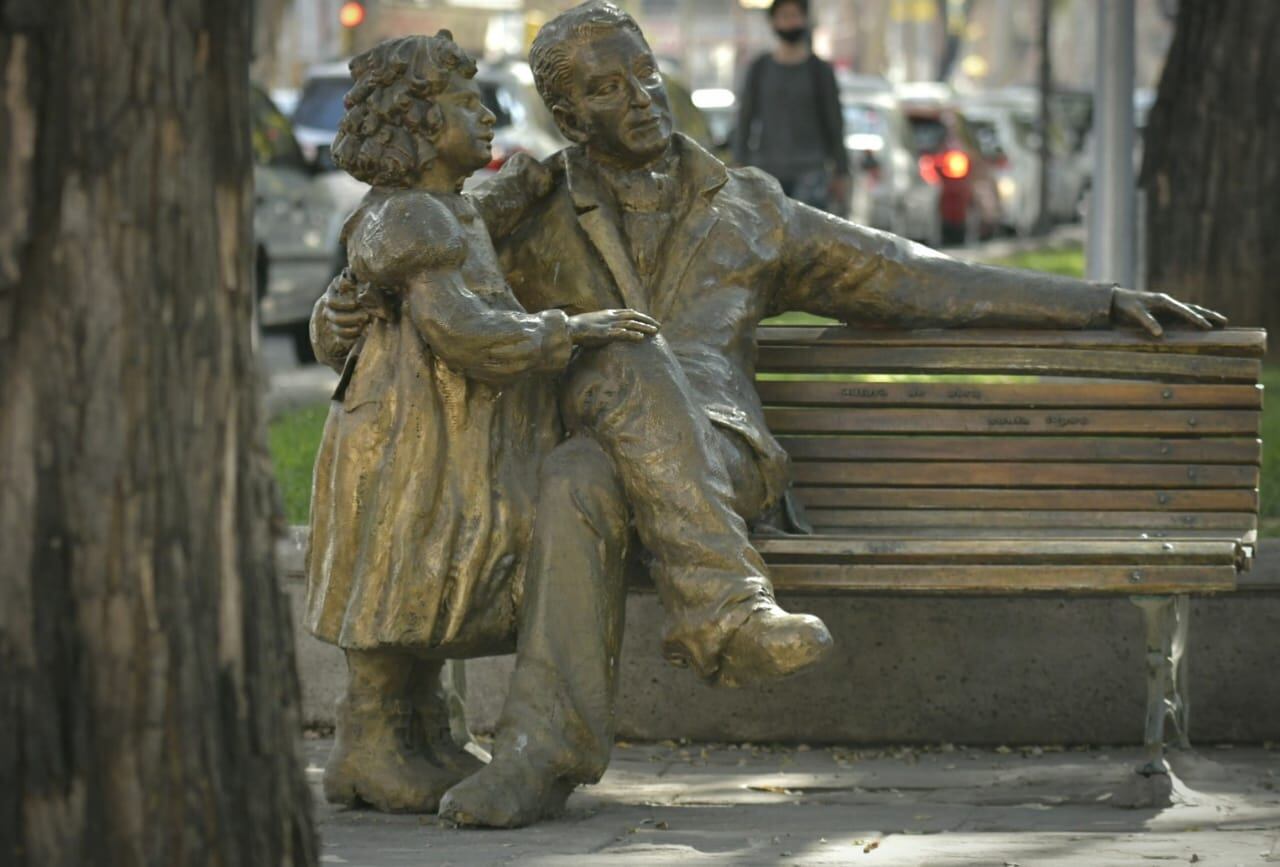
[
  {"x": 929, "y": 169},
  {"x": 954, "y": 164},
  {"x": 501, "y": 155}
]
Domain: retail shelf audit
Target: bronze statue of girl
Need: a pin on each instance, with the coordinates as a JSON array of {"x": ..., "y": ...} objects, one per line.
[{"x": 424, "y": 484}]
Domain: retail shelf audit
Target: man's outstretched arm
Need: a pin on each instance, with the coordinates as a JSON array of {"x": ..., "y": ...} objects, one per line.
[{"x": 866, "y": 277}]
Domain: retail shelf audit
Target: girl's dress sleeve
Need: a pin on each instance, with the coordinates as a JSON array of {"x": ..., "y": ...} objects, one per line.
[{"x": 412, "y": 247}]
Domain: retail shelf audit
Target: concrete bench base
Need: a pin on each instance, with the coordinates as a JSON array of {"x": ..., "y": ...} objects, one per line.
[{"x": 927, "y": 670}]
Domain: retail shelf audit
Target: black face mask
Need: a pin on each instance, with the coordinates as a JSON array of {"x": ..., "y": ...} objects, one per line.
[{"x": 792, "y": 34}]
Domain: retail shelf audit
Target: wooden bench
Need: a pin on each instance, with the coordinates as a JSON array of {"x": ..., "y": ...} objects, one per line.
[{"x": 1020, "y": 462}]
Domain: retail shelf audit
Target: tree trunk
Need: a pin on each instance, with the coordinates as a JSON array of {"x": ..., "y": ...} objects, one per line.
[
  {"x": 148, "y": 699},
  {"x": 1211, "y": 175}
]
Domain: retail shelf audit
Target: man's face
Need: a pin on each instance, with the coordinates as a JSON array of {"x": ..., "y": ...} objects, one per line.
[
  {"x": 466, "y": 142},
  {"x": 618, "y": 107},
  {"x": 789, "y": 18}
]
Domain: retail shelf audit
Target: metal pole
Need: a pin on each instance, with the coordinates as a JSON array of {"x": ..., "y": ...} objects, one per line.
[
  {"x": 1043, "y": 217},
  {"x": 1112, "y": 214}
]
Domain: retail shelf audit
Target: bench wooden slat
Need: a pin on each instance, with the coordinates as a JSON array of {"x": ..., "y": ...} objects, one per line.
[
  {"x": 999, "y": 530},
  {"x": 1044, "y": 549},
  {"x": 1063, "y": 499},
  {"x": 1240, "y": 342},
  {"x": 1002, "y": 579},
  {"x": 1039, "y": 394},
  {"x": 999, "y": 521},
  {"x": 1004, "y": 449},
  {"x": 1022, "y": 475},
  {"x": 1061, "y": 362},
  {"x": 1015, "y": 422}
]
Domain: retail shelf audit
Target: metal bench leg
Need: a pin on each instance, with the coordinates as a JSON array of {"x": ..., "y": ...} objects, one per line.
[
  {"x": 453, "y": 678},
  {"x": 1167, "y": 621}
]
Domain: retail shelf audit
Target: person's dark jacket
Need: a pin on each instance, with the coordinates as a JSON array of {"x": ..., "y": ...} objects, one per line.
[{"x": 831, "y": 120}]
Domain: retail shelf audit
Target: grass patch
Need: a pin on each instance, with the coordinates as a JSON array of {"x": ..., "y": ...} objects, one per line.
[
  {"x": 294, "y": 439},
  {"x": 1067, "y": 261},
  {"x": 797, "y": 318}
]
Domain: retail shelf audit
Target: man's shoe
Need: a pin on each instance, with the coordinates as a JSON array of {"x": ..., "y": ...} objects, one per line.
[
  {"x": 772, "y": 644},
  {"x": 508, "y": 793}
]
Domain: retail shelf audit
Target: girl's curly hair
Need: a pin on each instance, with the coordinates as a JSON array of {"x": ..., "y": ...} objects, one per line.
[{"x": 387, "y": 137}]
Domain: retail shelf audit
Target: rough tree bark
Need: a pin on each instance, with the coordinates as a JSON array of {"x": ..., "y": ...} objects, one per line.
[
  {"x": 1211, "y": 174},
  {"x": 148, "y": 698}
]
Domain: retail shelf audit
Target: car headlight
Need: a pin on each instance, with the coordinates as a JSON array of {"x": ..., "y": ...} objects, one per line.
[{"x": 1007, "y": 187}]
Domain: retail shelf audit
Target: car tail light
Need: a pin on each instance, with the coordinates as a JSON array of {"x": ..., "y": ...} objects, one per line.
[
  {"x": 501, "y": 155},
  {"x": 929, "y": 169},
  {"x": 954, "y": 164}
]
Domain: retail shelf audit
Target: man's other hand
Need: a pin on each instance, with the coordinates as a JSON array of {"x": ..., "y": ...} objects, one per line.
[
  {"x": 343, "y": 312},
  {"x": 1146, "y": 309},
  {"x": 534, "y": 177}
]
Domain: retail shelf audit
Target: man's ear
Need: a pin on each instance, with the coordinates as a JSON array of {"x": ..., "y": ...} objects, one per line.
[{"x": 567, "y": 120}]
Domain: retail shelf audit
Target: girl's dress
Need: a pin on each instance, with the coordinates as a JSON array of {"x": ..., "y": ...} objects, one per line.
[{"x": 426, "y": 478}]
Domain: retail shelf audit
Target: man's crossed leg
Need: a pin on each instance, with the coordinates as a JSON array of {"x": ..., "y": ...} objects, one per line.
[{"x": 645, "y": 476}]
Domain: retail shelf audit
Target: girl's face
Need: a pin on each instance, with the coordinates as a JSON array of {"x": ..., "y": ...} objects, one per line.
[{"x": 466, "y": 142}]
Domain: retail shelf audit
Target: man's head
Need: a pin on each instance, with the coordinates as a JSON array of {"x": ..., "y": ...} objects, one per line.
[
  {"x": 598, "y": 77},
  {"x": 414, "y": 103},
  {"x": 790, "y": 19}
]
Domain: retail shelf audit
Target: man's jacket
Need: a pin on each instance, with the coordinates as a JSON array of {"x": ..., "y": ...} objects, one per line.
[{"x": 740, "y": 251}]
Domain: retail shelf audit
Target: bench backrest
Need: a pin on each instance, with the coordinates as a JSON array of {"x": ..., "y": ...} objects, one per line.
[{"x": 1007, "y": 433}]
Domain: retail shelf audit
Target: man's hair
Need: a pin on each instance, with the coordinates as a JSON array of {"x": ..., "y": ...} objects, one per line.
[
  {"x": 778, "y": 4},
  {"x": 553, "y": 51},
  {"x": 392, "y": 122}
]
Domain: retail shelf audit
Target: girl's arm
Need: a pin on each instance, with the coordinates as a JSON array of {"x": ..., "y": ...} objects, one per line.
[{"x": 478, "y": 339}]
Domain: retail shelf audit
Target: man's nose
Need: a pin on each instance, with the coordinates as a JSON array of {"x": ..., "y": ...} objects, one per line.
[
  {"x": 487, "y": 117},
  {"x": 640, "y": 96}
]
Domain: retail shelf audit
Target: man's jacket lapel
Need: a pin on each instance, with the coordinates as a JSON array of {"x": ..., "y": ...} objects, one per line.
[
  {"x": 599, "y": 218},
  {"x": 701, "y": 177}
]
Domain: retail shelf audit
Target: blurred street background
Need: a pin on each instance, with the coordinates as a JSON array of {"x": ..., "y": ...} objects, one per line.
[
  {"x": 942, "y": 104},
  {"x": 983, "y": 127}
]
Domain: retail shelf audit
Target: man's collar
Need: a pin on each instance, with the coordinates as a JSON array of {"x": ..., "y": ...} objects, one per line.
[{"x": 699, "y": 172}]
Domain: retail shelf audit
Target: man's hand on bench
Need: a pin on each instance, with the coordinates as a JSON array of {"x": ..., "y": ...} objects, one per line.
[{"x": 1131, "y": 307}]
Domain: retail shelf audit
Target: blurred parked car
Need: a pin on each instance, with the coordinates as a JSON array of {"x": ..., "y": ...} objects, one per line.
[
  {"x": 296, "y": 225},
  {"x": 523, "y": 123},
  {"x": 889, "y": 191},
  {"x": 1006, "y": 125},
  {"x": 947, "y": 151},
  {"x": 285, "y": 99},
  {"x": 1012, "y": 147}
]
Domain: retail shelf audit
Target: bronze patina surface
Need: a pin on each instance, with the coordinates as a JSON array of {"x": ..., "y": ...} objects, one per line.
[
  {"x": 659, "y": 455},
  {"x": 424, "y": 483}
]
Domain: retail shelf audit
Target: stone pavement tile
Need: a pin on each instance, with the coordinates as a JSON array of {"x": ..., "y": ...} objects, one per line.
[{"x": 695, "y": 804}]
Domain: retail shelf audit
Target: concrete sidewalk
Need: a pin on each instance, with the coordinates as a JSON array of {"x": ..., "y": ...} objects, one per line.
[{"x": 742, "y": 805}]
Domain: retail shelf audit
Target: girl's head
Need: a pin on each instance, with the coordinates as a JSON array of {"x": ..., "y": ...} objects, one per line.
[{"x": 415, "y": 107}]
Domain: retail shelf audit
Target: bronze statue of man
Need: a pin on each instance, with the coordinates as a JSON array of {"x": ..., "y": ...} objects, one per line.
[{"x": 640, "y": 218}]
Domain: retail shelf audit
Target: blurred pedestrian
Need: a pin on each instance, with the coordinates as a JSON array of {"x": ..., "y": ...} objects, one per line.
[{"x": 789, "y": 118}]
